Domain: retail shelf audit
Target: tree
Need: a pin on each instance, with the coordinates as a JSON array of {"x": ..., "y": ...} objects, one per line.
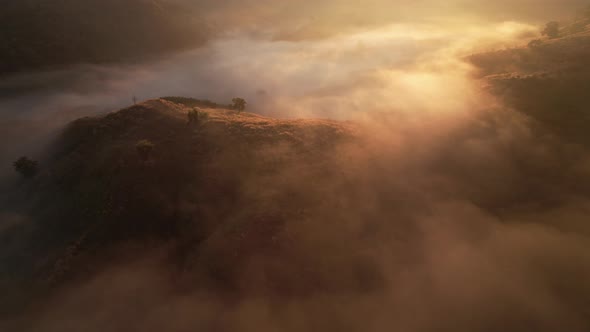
[
  {"x": 197, "y": 117},
  {"x": 203, "y": 117},
  {"x": 26, "y": 167},
  {"x": 193, "y": 116},
  {"x": 551, "y": 30},
  {"x": 144, "y": 149},
  {"x": 239, "y": 104},
  {"x": 535, "y": 43}
]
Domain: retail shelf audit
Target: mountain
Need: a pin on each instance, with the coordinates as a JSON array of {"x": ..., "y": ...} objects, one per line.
[{"x": 39, "y": 34}]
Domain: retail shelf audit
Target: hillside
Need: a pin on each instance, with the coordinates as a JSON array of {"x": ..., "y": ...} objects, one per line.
[
  {"x": 549, "y": 80},
  {"x": 219, "y": 192}
]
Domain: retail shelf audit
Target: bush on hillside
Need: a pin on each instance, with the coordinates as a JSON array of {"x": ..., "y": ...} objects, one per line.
[
  {"x": 197, "y": 117},
  {"x": 192, "y": 102},
  {"x": 145, "y": 149},
  {"x": 551, "y": 30},
  {"x": 239, "y": 104},
  {"x": 535, "y": 43},
  {"x": 26, "y": 167}
]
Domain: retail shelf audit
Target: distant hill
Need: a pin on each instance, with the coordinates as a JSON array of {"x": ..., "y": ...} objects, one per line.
[
  {"x": 548, "y": 80},
  {"x": 39, "y": 34}
]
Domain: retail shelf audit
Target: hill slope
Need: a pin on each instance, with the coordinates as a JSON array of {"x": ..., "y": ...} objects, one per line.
[
  {"x": 548, "y": 80},
  {"x": 219, "y": 192}
]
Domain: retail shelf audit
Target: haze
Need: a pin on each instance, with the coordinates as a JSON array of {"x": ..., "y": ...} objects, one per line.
[
  {"x": 400, "y": 166},
  {"x": 305, "y": 57}
]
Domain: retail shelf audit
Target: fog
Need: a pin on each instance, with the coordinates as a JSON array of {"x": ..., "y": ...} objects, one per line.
[
  {"x": 465, "y": 221},
  {"x": 450, "y": 211},
  {"x": 343, "y": 77}
]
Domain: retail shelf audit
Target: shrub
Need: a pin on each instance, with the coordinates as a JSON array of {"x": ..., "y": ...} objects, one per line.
[
  {"x": 144, "y": 149},
  {"x": 535, "y": 43},
  {"x": 192, "y": 102},
  {"x": 26, "y": 167},
  {"x": 239, "y": 104},
  {"x": 551, "y": 30},
  {"x": 197, "y": 117},
  {"x": 193, "y": 116}
]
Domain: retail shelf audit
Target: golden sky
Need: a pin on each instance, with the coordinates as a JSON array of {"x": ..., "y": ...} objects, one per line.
[{"x": 314, "y": 19}]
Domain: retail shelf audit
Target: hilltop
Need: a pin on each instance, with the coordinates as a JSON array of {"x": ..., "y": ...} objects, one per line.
[{"x": 220, "y": 191}]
